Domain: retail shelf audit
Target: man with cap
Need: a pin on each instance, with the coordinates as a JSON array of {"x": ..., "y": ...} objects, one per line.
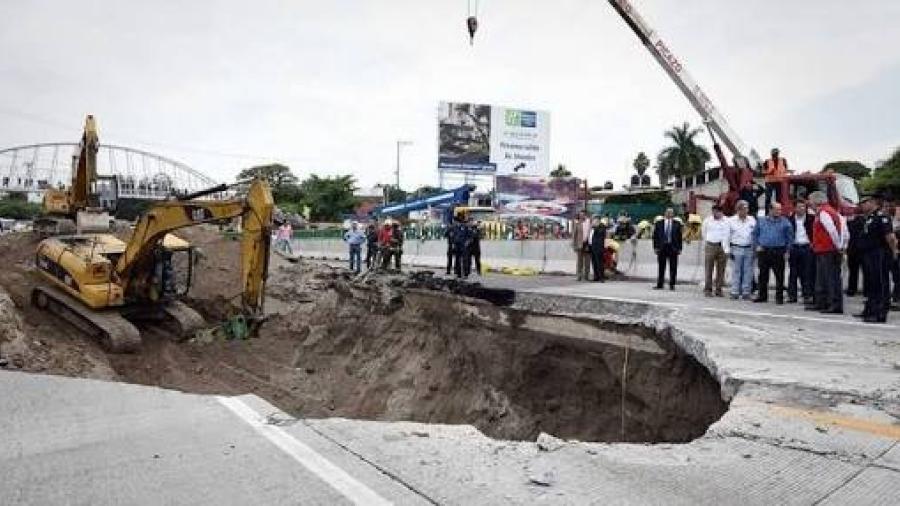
[
  {"x": 878, "y": 248},
  {"x": 774, "y": 170}
]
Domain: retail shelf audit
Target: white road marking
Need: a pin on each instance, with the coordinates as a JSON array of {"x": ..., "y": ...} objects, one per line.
[
  {"x": 564, "y": 290},
  {"x": 331, "y": 474}
]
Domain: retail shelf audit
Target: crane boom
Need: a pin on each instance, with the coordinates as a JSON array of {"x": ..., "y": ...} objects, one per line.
[{"x": 679, "y": 74}]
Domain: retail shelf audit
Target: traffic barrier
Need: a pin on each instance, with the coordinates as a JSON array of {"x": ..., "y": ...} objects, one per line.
[{"x": 636, "y": 258}]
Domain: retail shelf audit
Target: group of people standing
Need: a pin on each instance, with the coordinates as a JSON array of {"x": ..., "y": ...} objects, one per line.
[
  {"x": 463, "y": 246},
  {"x": 810, "y": 243},
  {"x": 383, "y": 244}
]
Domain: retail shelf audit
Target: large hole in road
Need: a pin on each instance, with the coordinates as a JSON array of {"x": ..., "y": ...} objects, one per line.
[
  {"x": 417, "y": 355},
  {"x": 391, "y": 349}
]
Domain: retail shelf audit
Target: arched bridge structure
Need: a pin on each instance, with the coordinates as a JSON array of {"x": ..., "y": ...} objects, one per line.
[{"x": 138, "y": 174}]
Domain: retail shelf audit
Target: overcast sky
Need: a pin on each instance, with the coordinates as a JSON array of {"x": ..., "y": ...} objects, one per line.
[{"x": 329, "y": 86}]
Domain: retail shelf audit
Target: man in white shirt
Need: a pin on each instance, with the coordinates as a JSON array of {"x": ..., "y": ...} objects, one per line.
[
  {"x": 716, "y": 235},
  {"x": 801, "y": 259},
  {"x": 740, "y": 242}
]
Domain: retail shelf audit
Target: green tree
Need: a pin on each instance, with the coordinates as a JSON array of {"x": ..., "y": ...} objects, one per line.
[
  {"x": 424, "y": 191},
  {"x": 848, "y": 168},
  {"x": 561, "y": 171},
  {"x": 886, "y": 177},
  {"x": 329, "y": 197},
  {"x": 641, "y": 163},
  {"x": 16, "y": 207},
  {"x": 684, "y": 157},
  {"x": 280, "y": 178},
  {"x": 395, "y": 194}
]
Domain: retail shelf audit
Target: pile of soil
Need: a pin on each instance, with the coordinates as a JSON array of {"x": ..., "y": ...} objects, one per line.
[{"x": 382, "y": 348}]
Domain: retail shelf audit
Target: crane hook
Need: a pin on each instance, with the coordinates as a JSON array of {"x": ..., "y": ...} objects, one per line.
[{"x": 472, "y": 24}]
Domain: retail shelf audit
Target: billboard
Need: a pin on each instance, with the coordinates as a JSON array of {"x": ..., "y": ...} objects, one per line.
[
  {"x": 491, "y": 139},
  {"x": 537, "y": 197}
]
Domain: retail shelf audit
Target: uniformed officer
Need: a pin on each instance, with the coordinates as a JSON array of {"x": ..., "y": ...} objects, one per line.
[
  {"x": 878, "y": 247},
  {"x": 462, "y": 243}
]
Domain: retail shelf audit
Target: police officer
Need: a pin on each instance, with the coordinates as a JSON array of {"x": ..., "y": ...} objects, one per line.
[
  {"x": 878, "y": 247},
  {"x": 854, "y": 255},
  {"x": 462, "y": 243}
]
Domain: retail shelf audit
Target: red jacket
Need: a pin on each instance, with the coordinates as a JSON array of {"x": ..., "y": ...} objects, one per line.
[
  {"x": 821, "y": 241},
  {"x": 384, "y": 236}
]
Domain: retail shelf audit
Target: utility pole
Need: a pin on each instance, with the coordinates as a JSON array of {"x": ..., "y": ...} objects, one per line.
[{"x": 397, "y": 172}]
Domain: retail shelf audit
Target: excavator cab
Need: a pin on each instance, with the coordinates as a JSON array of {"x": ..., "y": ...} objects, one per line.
[{"x": 173, "y": 269}]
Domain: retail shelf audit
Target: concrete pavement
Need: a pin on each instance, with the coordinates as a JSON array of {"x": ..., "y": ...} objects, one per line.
[{"x": 76, "y": 441}]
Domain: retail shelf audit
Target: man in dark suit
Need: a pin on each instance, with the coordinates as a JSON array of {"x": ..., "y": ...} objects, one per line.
[
  {"x": 597, "y": 241},
  {"x": 667, "y": 245}
]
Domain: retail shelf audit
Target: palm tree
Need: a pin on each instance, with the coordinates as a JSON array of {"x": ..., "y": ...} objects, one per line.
[
  {"x": 684, "y": 157},
  {"x": 560, "y": 171},
  {"x": 641, "y": 162}
]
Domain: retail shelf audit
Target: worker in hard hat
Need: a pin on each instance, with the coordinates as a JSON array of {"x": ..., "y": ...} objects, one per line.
[
  {"x": 643, "y": 229},
  {"x": 774, "y": 171},
  {"x": 693, "y": 229},
  {"x": 384, "y": 242}
]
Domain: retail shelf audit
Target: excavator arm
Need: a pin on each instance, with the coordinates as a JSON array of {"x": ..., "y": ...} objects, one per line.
[
  {"x": 135, "y": 266},
  {"x": 85, "y": 169}
]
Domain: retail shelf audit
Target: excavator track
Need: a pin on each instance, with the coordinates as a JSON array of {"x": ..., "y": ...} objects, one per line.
[{"x": 111, "y": 329}]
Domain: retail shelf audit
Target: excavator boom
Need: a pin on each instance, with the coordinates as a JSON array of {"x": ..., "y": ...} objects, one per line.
[
  {"x": 77, "y": 208},
  {"x": 85, "y": 169},
  {"x": 134, "y": 267}
]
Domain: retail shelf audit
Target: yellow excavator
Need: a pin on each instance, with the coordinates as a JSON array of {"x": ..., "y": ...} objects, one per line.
[
  {"x": 78, "y": 207},
  {"x": 101, "y": 284}
]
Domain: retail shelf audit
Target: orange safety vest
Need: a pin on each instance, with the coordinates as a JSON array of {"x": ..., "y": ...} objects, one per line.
[{"x": 775, "y": 170}]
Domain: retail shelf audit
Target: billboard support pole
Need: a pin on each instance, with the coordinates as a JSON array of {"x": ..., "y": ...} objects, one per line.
[{"x": 494, "y": 191}]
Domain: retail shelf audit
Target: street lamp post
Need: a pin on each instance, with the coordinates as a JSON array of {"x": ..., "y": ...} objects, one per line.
[{"x": 397, "y": 172}]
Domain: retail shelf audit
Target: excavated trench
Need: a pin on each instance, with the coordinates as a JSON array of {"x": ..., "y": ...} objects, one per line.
[{"x": 418, "y": 349}]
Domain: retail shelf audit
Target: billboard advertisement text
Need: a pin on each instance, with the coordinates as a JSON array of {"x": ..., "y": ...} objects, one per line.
[{"x": 491, "y": 139}]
